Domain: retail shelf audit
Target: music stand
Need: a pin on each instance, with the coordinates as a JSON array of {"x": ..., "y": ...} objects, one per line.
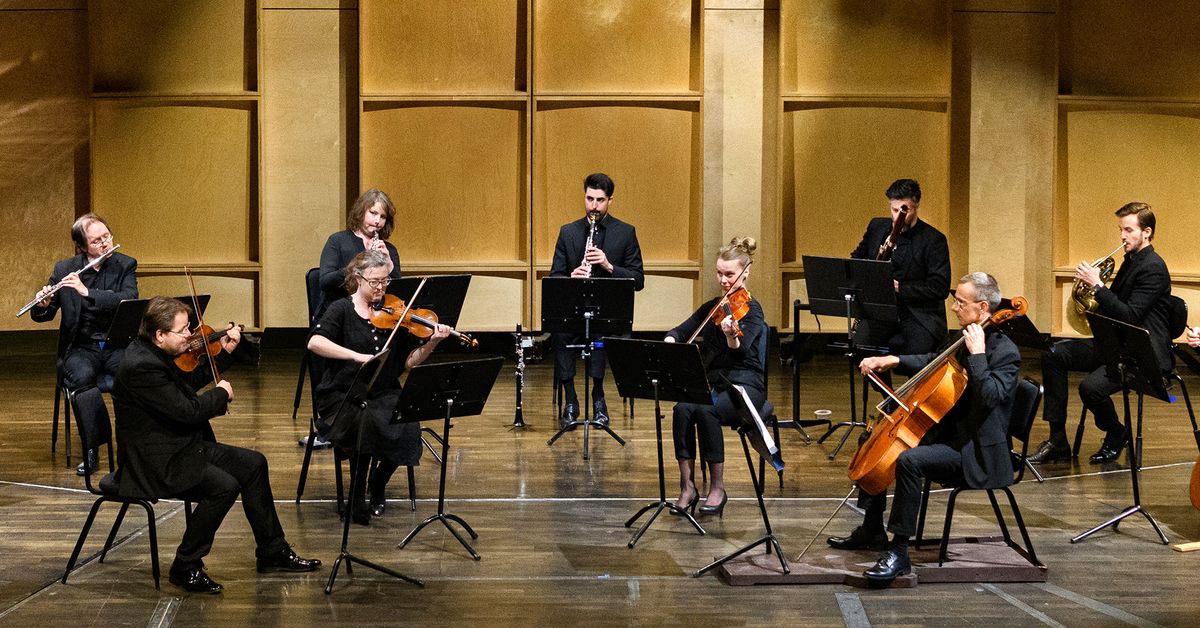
[
  {"x": 850, "y": 288},
  {"x": 128, "y": 318},
  {"x": 662, "y": 371},
  {"x": 753, "y": 430},
  {"x": 353, "y": 408},
  {"x": 1128, "y": 354},
  {"x": 445, "y": 390},
  {"x": 591, "y": 307}
]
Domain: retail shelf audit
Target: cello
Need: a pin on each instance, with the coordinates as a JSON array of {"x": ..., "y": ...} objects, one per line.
[{"x": 923, "y": 401}]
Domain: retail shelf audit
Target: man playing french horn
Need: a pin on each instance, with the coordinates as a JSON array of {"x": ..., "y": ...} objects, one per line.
[
  {"x": 596, "y": 245},
  {"x": 1138, "y": 296}
]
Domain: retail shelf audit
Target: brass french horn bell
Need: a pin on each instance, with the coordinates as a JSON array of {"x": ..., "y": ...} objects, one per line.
[{"x": 1083, "y": 296}]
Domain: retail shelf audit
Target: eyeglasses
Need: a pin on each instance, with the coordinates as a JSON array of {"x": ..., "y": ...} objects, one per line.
[
  {"x": 185, "y": 333},
  {"x": 959, "y": 303},
  {"x": 376, "y": 283},
  {"x": 102, "y": 240}
]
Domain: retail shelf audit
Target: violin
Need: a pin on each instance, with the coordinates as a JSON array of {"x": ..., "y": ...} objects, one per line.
[
  {"x": 203, "y": 341},
  {"x": 923, "y": 402},
  {"x": 736, "y": 305},
  {"x": 419, "y": 322}
]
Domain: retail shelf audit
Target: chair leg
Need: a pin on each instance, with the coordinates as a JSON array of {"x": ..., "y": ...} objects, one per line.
[
  {"x": 308, "y": 449},
  {"x": 1079, "y": 433},
  {"x": 67, "y": 401},
  {"x": 337, "y": 480},
  {"x": 999, "y": 517},
  {"x": 58, "y": 391},
  {"x": 921, "y": 514},
  {"x": 1012, "y": 503},
  {"x": 300, "y": 385},
  {"x": 412, "y": 488},
  {"x": 154, "y": 568},
  {"x": 1187, "y": 399},
  {"x": 83, "y": 534},
  {"x": 112, "y": 534},
  {"x": 946, "y": 529}
]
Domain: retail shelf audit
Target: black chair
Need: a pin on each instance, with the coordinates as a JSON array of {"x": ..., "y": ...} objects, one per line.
[
  {"x": 96, "y": 432},
  {"x": 1025, "y": 408},
  {"x": 61, "y": 396},
  {"x": 316, "y": 305}
]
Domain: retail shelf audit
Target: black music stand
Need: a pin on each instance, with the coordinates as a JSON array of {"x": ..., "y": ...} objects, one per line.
[
  {"x": 128, "y": 318},
  {"x": 1128, "y": 353},
  {"x": 591, "y": 307},
  {"x": 445, "y": 390},
  {"x": 753, "y": 430},
  {"x": 855, "y": 289},
  {"x": 353, "y": 408},
  {"x": 662, "y": 371}
]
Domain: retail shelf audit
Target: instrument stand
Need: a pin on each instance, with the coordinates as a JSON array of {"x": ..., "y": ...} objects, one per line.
[
  {"x": 767, "y": 539},
  {"x": 448, "y": 389},
  {"x": 854, "y": 289},
  {"x": 658, "y": 370},
  {"x": 603, "y": 306},
  {"x": 357, "y": 398},
  {"x": 1129, "y": 356}
]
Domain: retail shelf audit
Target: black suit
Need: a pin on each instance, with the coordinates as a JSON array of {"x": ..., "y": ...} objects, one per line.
[
  {"x": 970, "y": 446},
  {"x": 166, "y": 448},
  {"x": 619, "y": 242},
  {"x": 921, "y": 263},
  {"x": 1138, "y": 296},
  {"x": 85, "y": 321}
]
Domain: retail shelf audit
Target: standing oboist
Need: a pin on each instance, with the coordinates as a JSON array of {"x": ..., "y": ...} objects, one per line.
[
  {"x": 920, "y": 274},
  {"x": 1138, "y": 296},
  {"x": 596, "y": 245},
  {"x": 731, "y": 352}
]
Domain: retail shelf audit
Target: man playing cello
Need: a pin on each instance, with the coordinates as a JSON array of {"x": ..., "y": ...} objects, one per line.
[{"x": 970, "y": 444}]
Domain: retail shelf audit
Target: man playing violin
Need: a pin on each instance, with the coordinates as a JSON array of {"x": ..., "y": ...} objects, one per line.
[
  {"x": 166, "y": 448},
  {"x": 88, "y": 300},
  {"x": 969, "y": 446},
  {"x": 614, "y": 252},
  {"x": 920, "y": 274},
  {"x": 1138, "y": 296}
]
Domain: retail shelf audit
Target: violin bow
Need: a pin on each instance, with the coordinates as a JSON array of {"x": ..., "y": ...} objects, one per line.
[
  {"x": 724, "y": 298},
  {"x": 212, "y": 360}
]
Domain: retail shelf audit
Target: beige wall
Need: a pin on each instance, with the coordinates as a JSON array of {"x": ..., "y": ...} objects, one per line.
[{"x": 1027, "y": 123}]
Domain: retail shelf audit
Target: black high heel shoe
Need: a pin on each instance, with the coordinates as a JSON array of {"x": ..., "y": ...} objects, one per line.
[
  {"x": 717, "y": 510},
  {"x": 691, "y": 505}
]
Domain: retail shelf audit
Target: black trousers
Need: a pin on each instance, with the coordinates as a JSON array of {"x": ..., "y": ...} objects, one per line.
[
  {"x": 938, "y": 462},
  {"x": 1095, "y": 390},
  {"x": 690, "y": 420},
  {"x": 565, "y": 359},
  {"x": 229, "y": 471},
  {"x": 88, "y": 365}
]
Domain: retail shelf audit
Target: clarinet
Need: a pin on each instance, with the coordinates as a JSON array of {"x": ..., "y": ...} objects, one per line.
[
  {"x": 587, "y": 245},
  {"x": 519, "y": 416}
]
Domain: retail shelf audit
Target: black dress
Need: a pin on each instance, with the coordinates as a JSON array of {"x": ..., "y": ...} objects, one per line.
[{"x": 397, "y": 443}]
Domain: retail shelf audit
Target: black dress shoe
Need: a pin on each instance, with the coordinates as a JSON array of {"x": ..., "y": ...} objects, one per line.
[
  {"x": 195, "y": 581},
  {"x": 569, "y": 414},
  {"x": 892, "y": 565},
  {"x": 377, "y": 508},
  {"x": 1051, "y": 451},
  {"x": 860, "y": 538},
  {"x": 362, "y": 514},
  {"x": 1110, "y": 450},
  {"x": 286, "y": 560},
  {"x": 91, "y": 463},
  {"x": 715, "y": 509},
  {"x": 600, "y": 411},
  {"x": 691, "y": 505}
]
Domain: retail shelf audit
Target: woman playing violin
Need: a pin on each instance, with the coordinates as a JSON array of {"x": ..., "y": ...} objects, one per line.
[
  {"x": 346, "y": 337},
  {"x": 732, "y": 353},
  {"x": 969, "y": 446}
]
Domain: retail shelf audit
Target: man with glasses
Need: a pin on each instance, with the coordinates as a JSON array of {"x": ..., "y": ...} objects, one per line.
[
  {"x": 970, "y": 444},
  {"x": 166, "y": 448},
  {"x": 88, "y": 300}
]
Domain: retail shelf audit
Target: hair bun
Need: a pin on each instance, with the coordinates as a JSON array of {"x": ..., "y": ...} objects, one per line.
[{"x": 746, "y": 244}]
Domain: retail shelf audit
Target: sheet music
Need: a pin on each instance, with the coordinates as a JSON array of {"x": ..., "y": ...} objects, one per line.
[{"x": 775, "y": 459}]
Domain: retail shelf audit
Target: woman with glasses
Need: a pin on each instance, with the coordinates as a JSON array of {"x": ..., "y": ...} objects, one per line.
[{"x": 346, "y": 338}]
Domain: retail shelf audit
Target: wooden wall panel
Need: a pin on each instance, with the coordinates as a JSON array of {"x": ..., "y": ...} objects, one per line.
[
  {"x": 164, "y": 46},
  {"x": 434, "y": 46},
  {"x": 304, "y": 150},
  {"x": 233, "y": 298},
  {"x": 174, "y": 180},
  {"x": 666, "y": 301},
  {"x": 835, "y": 47},
  {"x": 454, "y": 173},
  {"x": 651, "y": 152},
  {"x": 617, "y": 45},
  {"x": 43, "y": 148}
]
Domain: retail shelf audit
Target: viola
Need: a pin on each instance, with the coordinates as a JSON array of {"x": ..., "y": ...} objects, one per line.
[
  {"x": 923, "y": 402},
  {"x": 203, "y": 341},
  {"x": 420, "y": 322}
]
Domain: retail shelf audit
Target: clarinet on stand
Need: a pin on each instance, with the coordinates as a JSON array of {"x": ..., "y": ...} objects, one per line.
[{"x": 519, "y": 416}]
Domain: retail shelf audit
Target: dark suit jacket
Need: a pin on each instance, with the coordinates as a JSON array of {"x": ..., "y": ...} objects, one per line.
[
  {"x": 70, "y": 301},
  {"x": 1138, "y": 296},
  {"x": 921, "y": 263},
  {"x": 162, "y": 424},
  {"x": 340, "y": 248},
  {"x": 617, "y": 239},
  {"x": 978, "y": 424}
]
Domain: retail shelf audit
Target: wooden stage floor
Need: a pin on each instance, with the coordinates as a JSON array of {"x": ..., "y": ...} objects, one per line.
[{"x": 551, "y": 531}]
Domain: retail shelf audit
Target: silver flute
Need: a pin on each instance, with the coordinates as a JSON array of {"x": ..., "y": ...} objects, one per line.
[{"x": 43, "y": 296}]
